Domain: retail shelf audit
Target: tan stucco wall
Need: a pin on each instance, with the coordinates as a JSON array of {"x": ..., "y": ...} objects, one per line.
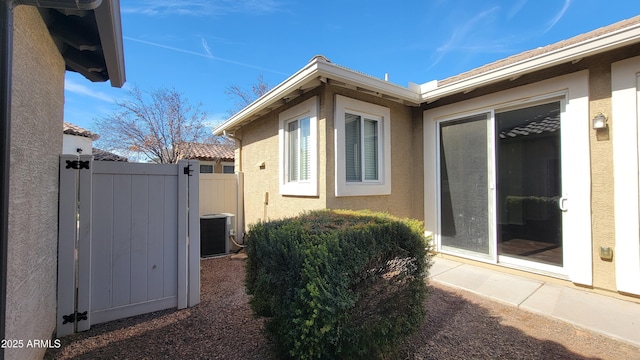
[
  {"x": 417, "y": 165},
  {"x": 260, "y": 140},
  {"x": 36, "y": 142},
  {"x": 399, "y": 202},
  {"x": 602, "y": 220},
  {"x": 260, "y": 145}
]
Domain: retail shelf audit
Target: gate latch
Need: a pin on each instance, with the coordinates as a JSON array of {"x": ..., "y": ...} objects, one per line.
[
  {"x": 187, "y": 170},
  {"x": 77, "y": 316},
  {"x": 77, "y": 164}
]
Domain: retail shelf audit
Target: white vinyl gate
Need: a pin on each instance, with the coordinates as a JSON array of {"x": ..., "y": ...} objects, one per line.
[{"x": 124, "y": 248}]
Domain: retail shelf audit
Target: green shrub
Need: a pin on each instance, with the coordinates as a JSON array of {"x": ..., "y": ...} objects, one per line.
[{"x": 337, "y": 284}]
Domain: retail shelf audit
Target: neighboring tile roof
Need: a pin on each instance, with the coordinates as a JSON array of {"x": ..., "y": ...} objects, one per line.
[
  {"x": 102, "y": 155},
  {"x": 71, "y": 129},
  {"x": 222, "y": 152},
  {"x": 542, "y": 50}
]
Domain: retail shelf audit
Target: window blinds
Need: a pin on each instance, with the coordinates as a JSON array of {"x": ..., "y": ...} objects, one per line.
[{"x": 299, "y": 135}]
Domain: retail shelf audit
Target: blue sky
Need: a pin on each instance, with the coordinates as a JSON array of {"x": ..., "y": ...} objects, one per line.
[{"x": 200, "y": 47}]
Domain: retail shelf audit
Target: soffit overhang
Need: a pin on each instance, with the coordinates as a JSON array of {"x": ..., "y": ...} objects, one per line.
[
  {"x": 318, "y": 71},
  {"x": 90, "y": 41}
]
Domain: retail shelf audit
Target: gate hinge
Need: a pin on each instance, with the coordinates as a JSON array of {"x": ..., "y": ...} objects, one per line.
[
  {"x": 77, "y": 164},
  {"x": 187, "y": 170},
  {"x": 77, "y": 316}
]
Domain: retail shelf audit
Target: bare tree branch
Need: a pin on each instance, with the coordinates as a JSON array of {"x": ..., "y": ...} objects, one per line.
[
  {"x": 244, "y": 97},
  {"x": 157, "y": 125}
]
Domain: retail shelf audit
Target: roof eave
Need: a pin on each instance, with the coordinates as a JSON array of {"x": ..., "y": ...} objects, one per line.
[
  {"x": 589, "y": 47},
  {"x": 110, "y": 29},
  {"x": 272, "y": 96},
  {"x": 317, "y": 68}
]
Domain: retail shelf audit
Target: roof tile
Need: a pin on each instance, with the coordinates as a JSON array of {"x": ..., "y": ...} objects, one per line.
[
  {"x": 71, "y": 129},
  {"x": 210, "y": 152}
]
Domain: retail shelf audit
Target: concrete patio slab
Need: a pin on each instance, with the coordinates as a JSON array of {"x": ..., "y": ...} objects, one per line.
[
  {"x": 614, "y": 317},
  {"x": 506, "y": 288},
  {"x": 603, "y": 314},
  {"x": 442, "y": 265}
]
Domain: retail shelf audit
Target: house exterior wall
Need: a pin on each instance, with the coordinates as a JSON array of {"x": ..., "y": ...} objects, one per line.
[
  {"x": 625, "y": 133},
  {"x": 399, "y": 202},
  {"x": 417, "y": 165},
  {"x": 602, "y": 171},
  {"x": 602, "y": 203},
  {"x": 260, "y": 146},
  {"x": 37, "y": 113},
  {"x": 71, "y": 144},
  {"x": 259, "y": 157},
  {"x": 585, "y": 85},
  {"x": 611, "y": 275}
]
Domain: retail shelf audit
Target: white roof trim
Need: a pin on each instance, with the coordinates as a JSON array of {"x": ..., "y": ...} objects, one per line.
[
  {"x": 110, "y": 29},
  {"x": 317, "y": 67},
  {"x": 605, "y": 42}
]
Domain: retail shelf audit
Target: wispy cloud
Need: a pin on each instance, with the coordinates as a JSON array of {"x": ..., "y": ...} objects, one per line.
[
  {"x": 76, "y": 88},
  {"x": 199, "y": 7},
  {"x": 457, "y": 39},
  {"x": 162, "y": 46},
  {"x": 206, "y": 47},
  {"x": 207, "y": 54},
  {"x": 516, "y": 9},
  {"x": 559, "y": 15}
]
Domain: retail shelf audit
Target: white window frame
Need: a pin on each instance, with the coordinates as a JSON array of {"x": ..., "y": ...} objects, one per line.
[
  {"x": 382, "y": 186},
  {"x": 306, "y": 109}
]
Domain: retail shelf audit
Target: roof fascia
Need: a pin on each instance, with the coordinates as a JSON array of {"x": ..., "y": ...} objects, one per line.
[
  {"x": 351, "y": 77},
  {"x": 593, "y": 46},
  {"x": 110, "y": 29},
  {"x": 313, "y": 70},
  {"x": 292, "y": 83}
]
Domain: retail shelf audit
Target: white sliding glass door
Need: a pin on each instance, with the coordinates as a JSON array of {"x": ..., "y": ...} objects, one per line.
[
  {"x": 500, "y": 185},
  {"x": 508, "y": 178},
  {"x": 529, "y": 183},
  {"x": 464, "y": 191}
]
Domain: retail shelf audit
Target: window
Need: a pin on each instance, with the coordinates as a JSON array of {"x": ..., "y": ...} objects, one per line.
[
  {"x": 206, "y": 169},
  {"x": 298, "y": 134},
  {"x": 299, "y": 149},
  {"x": 363, "y": 148},
  {"x": 228, "y": 167}
]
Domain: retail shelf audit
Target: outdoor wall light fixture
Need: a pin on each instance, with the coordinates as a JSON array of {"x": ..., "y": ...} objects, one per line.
[{"x": 599, "y": 121}]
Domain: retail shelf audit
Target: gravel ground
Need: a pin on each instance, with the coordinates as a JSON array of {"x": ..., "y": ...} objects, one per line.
[{"x": 459, "y": 325}]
